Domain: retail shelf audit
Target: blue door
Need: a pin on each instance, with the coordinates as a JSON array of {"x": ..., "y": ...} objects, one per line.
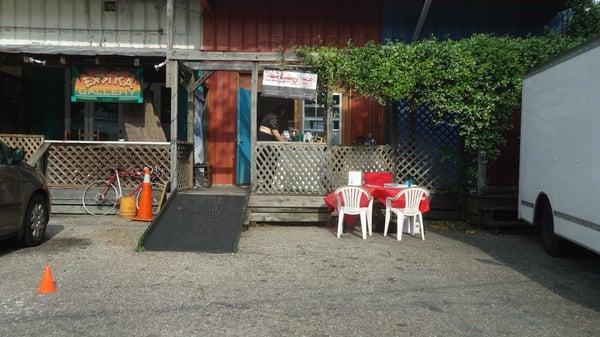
[{"x": 243, "y": 137}]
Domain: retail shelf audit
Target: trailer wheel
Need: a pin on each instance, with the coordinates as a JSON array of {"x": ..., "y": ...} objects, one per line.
[{"x": 553, "y": 244}]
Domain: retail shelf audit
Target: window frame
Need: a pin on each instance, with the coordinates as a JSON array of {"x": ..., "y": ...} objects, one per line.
[{"x": 315, "y": 104}]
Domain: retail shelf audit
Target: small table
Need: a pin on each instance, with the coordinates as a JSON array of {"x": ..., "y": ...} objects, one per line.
[{"x": 380, "y": 193}]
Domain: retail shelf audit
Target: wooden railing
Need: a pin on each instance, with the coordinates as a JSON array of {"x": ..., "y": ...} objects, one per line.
[
  {"x": 360, "y": 158},
  {"x": 313, "y": 169},
  {"x": 28, "y": 143},
  {"x": 316, "y": 169},
  {"x": 78, "y": 163},
  {"x": 185, "y": 165},
  {"x": 291, "y": 168}
]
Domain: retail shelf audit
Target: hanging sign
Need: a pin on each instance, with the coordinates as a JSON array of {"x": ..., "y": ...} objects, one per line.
[
  {"x": 92, "y": 84},
  {"x": 289, "y": 84}
]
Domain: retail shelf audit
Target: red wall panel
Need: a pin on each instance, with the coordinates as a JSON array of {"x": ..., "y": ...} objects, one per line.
[
  {"x": 367, "y": 116},
  {"x": 268, "y": 25},
  {"x": 254, "y": 25},
  {"x": 504, "y": 171},
  {"x": 222, "y": 126}
]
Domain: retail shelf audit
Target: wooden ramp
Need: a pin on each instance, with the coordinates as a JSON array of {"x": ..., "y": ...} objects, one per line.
[{"x": 205, "y": 220}]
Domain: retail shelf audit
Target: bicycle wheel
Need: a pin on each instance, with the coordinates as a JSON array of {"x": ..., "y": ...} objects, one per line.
[
  {"x": 99, "y": 198},
  {"x": 156, "y": 191}
]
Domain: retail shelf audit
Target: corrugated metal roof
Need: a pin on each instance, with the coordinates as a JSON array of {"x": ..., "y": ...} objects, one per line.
[{"x": 66, "y": 26}]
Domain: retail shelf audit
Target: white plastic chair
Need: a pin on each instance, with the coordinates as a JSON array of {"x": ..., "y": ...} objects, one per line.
[
  {"x": 308, "y": 137},
  {"x": 348, "y": 202},
  {"x": 413, "y": 197}
]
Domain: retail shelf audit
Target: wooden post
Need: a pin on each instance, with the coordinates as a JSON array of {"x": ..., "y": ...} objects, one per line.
[
  {"x": 329, "y": 119},
  {"x": 67, "y": 129},
  {"x": 253, "y": 122},
  {"x": 190, "y": 110},
  {"x": 421, "y": 22},
  {"x": 173, "y": 83},
  {"x": 170, "y": 27},
  {"x": 481, "y": 173},
  {"x": 393, "y": 124}
]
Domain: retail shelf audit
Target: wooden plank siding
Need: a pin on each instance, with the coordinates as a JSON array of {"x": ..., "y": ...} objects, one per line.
[
  {"x": 367, "y": 116},
  {"x": 222, "y": 126},
  {"x": 269, "y": 25}
]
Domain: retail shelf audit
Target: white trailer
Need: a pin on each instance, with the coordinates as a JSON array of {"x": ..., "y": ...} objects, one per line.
[{"x": 559, "y": 182}]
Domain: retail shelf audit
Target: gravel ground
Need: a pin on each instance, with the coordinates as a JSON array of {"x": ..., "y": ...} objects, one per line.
[{"x": 299, "y": 281}]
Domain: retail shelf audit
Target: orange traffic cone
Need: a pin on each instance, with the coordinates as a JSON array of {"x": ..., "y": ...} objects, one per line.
[
  {"x": 144, "y": 212},
  {"x": 47, "y": 285}
]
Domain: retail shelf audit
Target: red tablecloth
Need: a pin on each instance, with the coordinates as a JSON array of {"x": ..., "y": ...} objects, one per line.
[
  {"x": 378, "y": 178},
  {"x": 379, "y": 193}
]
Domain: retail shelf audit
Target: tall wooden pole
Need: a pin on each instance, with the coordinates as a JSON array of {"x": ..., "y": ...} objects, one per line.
[
  {"x": 253, "y": 126},
  {"x": 173, "y": 83},
  {"x": 170, "y": 27},
  {"x": 329, "y": 118},
  {"x": 191, "y": 113},
  {"x": 421, "y": 22}
]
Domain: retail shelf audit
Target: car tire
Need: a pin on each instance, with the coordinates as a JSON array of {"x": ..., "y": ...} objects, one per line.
[
  {"x": 35, "y": 221},
  {"x": 553, "y": 244}
]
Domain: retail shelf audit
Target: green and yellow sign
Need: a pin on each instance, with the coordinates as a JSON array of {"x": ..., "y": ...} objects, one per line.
[{"x": 122, "y": 85}]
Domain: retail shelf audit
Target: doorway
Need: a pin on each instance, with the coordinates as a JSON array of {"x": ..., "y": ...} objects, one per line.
[
  {"x": 95, "y": 121},
  {"x": 244, "y": 145}
]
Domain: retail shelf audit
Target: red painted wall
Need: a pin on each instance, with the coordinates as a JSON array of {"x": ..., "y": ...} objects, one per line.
[
  {"x": 222, "y": 126},
  {"x": 268, "y": 25},
  {"x": 367, "y": 117},
  {"x": 504, "y": 171}
]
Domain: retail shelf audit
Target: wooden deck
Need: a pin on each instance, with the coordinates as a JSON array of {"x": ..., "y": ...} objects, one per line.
[
  {"x": 270, "y": 208},
  {"x": 286, "y": 208},
  {"x": 67, "y": 201}
]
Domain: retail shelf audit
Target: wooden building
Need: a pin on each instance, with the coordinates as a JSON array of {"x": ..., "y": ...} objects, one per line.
[
  {"x": 47, "y": 47},
  {"x": 45, "y": 43},
  {"x": 272, "y": 26},
  {"x": 222, "y": 46}
]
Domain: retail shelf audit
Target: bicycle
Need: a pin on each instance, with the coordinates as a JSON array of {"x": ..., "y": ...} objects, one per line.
[{"x": 102, "y": 196}]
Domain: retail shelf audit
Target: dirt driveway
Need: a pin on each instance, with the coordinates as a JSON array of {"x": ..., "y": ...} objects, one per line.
[{"x": 299, "y": 281}]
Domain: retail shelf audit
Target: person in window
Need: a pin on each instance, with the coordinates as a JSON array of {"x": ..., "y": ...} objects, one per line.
[{"x": 269, "y": 127}]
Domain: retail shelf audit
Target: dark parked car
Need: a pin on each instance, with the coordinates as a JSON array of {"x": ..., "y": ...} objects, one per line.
[{"x": 24, "y": 199}]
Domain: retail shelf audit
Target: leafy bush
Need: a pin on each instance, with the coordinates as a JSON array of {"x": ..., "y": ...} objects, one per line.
[
  {"x": 473, "y": 83},
  {"x": 585, "y": 19}
]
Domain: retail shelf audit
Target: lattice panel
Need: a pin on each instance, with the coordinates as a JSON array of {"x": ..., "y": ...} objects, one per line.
[
  {"x": 29, "y": 143},
  {"x": 363, "y": 158},
  {"x": 291, "y": 168},
  {"x": 185, "y": 165},
  {"x": 417, "y": 163},
  {"x": 78, "y": 165},
  {"x": 427, "y": 150}
]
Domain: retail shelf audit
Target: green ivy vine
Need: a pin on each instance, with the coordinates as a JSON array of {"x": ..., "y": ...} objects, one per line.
[{"x": 474, "y": 84}]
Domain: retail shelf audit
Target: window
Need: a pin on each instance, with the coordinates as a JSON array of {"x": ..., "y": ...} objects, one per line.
[{"x": 314, "y": 118}]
